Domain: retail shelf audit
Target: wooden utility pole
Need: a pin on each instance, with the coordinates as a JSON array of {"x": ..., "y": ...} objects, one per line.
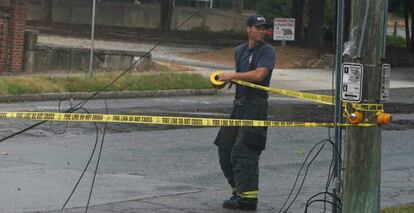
[
  {"x": 316, "y": 14},
  {"x": 363, "y": 144},
  {"x": 48, "y": 11},
  {"x": 166, "y": 12},
  {"x": 297, "y": 11}
]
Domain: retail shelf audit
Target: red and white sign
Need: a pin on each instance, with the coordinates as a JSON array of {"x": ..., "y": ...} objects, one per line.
[{"x": 284, "y": 29}]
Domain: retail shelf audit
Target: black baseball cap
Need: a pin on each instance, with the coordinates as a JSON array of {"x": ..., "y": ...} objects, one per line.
[{"x": 256, "y": 20}]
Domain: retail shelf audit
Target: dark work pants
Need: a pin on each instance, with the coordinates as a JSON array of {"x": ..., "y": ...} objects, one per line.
[
  {"x": 240, "y": 166},
  {"x": 239, "y": 148}
]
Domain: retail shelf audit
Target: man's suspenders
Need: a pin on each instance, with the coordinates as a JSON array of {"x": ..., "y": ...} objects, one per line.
[{"x": 255, "y": 55}]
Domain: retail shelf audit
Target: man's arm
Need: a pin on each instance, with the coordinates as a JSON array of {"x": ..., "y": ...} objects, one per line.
[{"x": 254, "y": 76}]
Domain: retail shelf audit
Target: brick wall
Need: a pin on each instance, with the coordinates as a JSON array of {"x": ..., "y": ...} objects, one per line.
[
  {"x": 12, "y": 26},
  {"x": 4, "y": 49}
]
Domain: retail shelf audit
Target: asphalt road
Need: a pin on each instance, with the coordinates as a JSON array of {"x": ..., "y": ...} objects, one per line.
[{"x": 168, "y": 169}]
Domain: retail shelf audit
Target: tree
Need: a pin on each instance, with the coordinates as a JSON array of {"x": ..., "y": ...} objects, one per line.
[
  {"x": 405, "y": 9},
  {"x": 166, "y": 14},
  {"x": 409, "y": 11},
  {"x": 238, "y": 6},
  {"x": 407, "y": 27},
  {"x": 250, "y": 4},
  {"x": 396, "y": 6},
  {"x": 297, "y": 12},
  {"x": 316, "y": 15},
  {"x": 347, "y": 18},
  {"x": 48, "y": 11},
  {"x": 4, "y": 3},
  {"x": 275, "y": 9}
]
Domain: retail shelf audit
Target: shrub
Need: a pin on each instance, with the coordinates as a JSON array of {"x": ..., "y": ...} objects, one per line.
[{"x": 396, "y": 41}]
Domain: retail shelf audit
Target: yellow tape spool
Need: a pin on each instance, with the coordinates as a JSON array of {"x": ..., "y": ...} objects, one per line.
[
  {"x": 215, "y": 82},
  {"x": 384, "y": 118},
  {"x": 355, "y": 117}
]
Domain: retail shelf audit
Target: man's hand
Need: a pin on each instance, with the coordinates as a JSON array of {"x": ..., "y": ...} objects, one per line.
[
  {"x": 253, "y": 76},
  {"x": 226, "y": 76}
]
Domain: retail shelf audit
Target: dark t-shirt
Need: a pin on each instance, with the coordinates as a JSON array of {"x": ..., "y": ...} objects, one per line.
[{"x": 266, "y": 57}]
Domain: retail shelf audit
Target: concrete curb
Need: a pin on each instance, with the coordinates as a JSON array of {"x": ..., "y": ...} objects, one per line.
[{"x": 112, "y": 95}]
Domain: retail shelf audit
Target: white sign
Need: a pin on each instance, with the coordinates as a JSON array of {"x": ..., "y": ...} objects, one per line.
[
  {"x": 385, "y": 83},
  {"x": 351, "y": 82},
  {"x": 284, "y": 29}
]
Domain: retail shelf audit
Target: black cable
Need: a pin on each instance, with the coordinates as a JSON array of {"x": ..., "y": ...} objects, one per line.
[
  {"x": 136, "y": 61},
  {"x": 310, "y": 200},
  {"x": 90, "y": 159},
  {"x": 330, "y": 173},
  {"x": 66, "y": 123},
  {"x": 333, "y": 95},
  {"x": 87, "y": 164},
  {"x": 82, "y": 103},
  {"x": 323, "y": 142},
  {"x": 304, "y": 176},
  {"x": 330, "y": 176},
  {"x": 324, "y": 201},
  {"x": 326, "y": 193},
  {"x": 297, "y": 176},
  {"x": 23, "y": 130},
  {"x": 335, "y": 153},
  {"x": 338, "y": 155},
  {"x": 98, "y": 160}
]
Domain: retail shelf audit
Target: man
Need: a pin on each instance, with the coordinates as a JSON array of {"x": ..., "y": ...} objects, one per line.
[{"x": 239, "y": 148}]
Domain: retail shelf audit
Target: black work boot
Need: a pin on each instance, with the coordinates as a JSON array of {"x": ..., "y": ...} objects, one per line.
[
  {"x": 234, "y": 196},
  {"x": 241, "y": 203}
]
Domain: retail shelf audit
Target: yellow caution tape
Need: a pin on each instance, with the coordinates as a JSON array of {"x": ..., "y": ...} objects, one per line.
[
  {"x": 162, "y": 120},
  {"x": 192, "y": 121},
  {"x": 323, "y": 99},
  {"x": 367, "y": 107}
]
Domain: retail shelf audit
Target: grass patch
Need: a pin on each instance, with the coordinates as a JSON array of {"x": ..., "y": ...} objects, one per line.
[
  {"x": 399, "y": 209},
  {"x": 396, "y": 41},
  {"x": 17, "y": 85}
]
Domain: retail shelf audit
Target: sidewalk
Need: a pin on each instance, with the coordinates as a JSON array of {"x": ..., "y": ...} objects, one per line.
[
  {"x": 317, "y": 80},
  {"x": 292, "y": 79}
]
